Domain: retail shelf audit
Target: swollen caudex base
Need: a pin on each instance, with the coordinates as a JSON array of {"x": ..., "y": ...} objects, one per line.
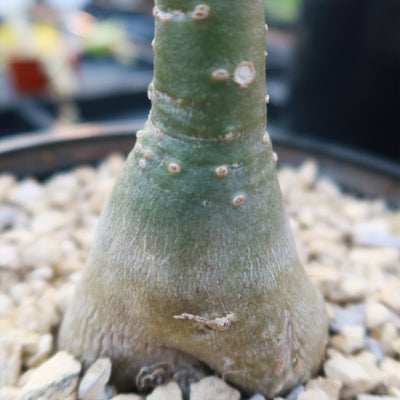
[
  {"x": 166, "y": 284},
  {"x": 194, "y": 267}
]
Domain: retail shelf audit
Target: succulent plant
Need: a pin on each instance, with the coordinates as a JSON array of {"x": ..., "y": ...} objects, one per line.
[{"x": 194, "y": 269}]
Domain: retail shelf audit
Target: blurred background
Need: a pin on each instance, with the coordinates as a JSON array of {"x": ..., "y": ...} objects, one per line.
[{"x": 333, "y": 67}]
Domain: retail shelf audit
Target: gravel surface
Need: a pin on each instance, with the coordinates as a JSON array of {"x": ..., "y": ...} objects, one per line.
[{"x": 350, "y": 247}]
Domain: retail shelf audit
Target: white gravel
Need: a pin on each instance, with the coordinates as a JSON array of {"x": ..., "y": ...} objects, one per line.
[{"x": 350, "y": 247}]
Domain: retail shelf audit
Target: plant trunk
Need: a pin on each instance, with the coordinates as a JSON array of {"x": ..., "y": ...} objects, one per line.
[{"x": 194, "y": 266}]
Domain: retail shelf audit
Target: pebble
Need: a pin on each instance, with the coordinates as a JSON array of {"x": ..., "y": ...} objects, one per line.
[
  {"x": 9, "y": 393},
  {"x": 331, "y": 387},
  {"x": 51, "y": 220},
  {"x": 7, "y": 182},
  {"x": 8, "y": 215},
  {"x": 315, "y": 394},
  {"x": 391, "y": 296},
  {"x": 394, "y": 392},
  {"x": 358, "y": 374},
  {"x": 27, "y": 194},
  {"x": 213, "y": 388},
  {"x": 9, "y": 257},
  {"x": 375, "y": 233},
  {"x": 391, "y": 372},
  {"x": 364, "y": 396},
  {"x": 170, "y": 391},
  {"x": 257, "y": 396},
  {"x": 349, "y": 288},
  {"x": 42, "y": 351},
  {"x": 294, "y": 393},
  {"x": 43, "y": 251},
  {"x": 350, "y": 315},
  {"x": 57, "y": 378},
  {"x": 93, "y": 383},
  {"x": 10, "y": 361},
  {"x": 377, "y": 314},
  {"x": 350, "y": 339}
]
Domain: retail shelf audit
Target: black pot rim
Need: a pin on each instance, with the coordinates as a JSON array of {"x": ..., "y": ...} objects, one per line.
[{"x": 41, "y": 154}]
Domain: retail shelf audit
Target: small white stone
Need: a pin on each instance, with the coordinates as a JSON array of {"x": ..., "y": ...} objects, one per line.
[
  {"x": 307, "y": 174},
  {"x": 314, "y": 394},
  {"x": 9, "y": 393},
  {"x": 391, "y": 372},
  {"x": 358, "y": 374},
  {"x": 170, "y": 391},
  {"x": 350, "y": 339},
  {"x": 57, "y": 378},
  {"x": 350, "y": 288},
  {"x": 364, "y": 396},
  {"x": 257, "y": 396},
  {"x": 331, "y": 387},
  {"x": 376, "y": 315},
  {"x": 9, "y": 257},
  {"x": 391, "y": 296},
  {"x": 213, "y": 388},
  {"x": 8, "y": 216},
  {"x": 394, "y": 392},
  {"x": 26, "y": 193},
  {"x": 10, "y": 361},
  {"x": 44, "y": 251},
  {"x": 51, "y": 220},
  {"x": 43, "y": 351},
  {"x": 7, "y": 182},
  {"x": 94, "y": 380}
]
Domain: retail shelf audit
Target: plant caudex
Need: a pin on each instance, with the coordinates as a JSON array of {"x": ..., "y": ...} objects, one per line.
[{"x": 194, "y": 267}]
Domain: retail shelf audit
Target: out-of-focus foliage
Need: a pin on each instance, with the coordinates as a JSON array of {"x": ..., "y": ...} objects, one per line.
[{"x": 282, "y": 10}]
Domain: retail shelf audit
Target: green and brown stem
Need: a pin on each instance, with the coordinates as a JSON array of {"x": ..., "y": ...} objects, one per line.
[{"x": 194, "y": 265}]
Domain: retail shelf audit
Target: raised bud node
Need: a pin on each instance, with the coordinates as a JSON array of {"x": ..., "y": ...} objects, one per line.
[
  {"x": 275, "y": 157},
  {"x": 174, "y": 167},
  {"x": 266, "y": 99},
  {"x": 229, "y": 137},
  {"x": 150, "y": 91},
  {"x": 238, "y": 200},
  {"x": 158, "y": 132},
  {"x": 244, "y": 74},
  {"x": 139, "y": 133},
  {"x": 142, "y": 164},
  {"x": 265, "y": 138},
  {"x": 221, "y": 170},
  {"x": 201, "y": 11},
  {"x": 148, "y": 154},
  {"x": 138, "y": 149},
  {"x": 220, "y": 74}
]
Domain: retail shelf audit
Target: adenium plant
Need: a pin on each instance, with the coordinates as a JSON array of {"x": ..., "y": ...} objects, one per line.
[{"x": 194, "y": 269}]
